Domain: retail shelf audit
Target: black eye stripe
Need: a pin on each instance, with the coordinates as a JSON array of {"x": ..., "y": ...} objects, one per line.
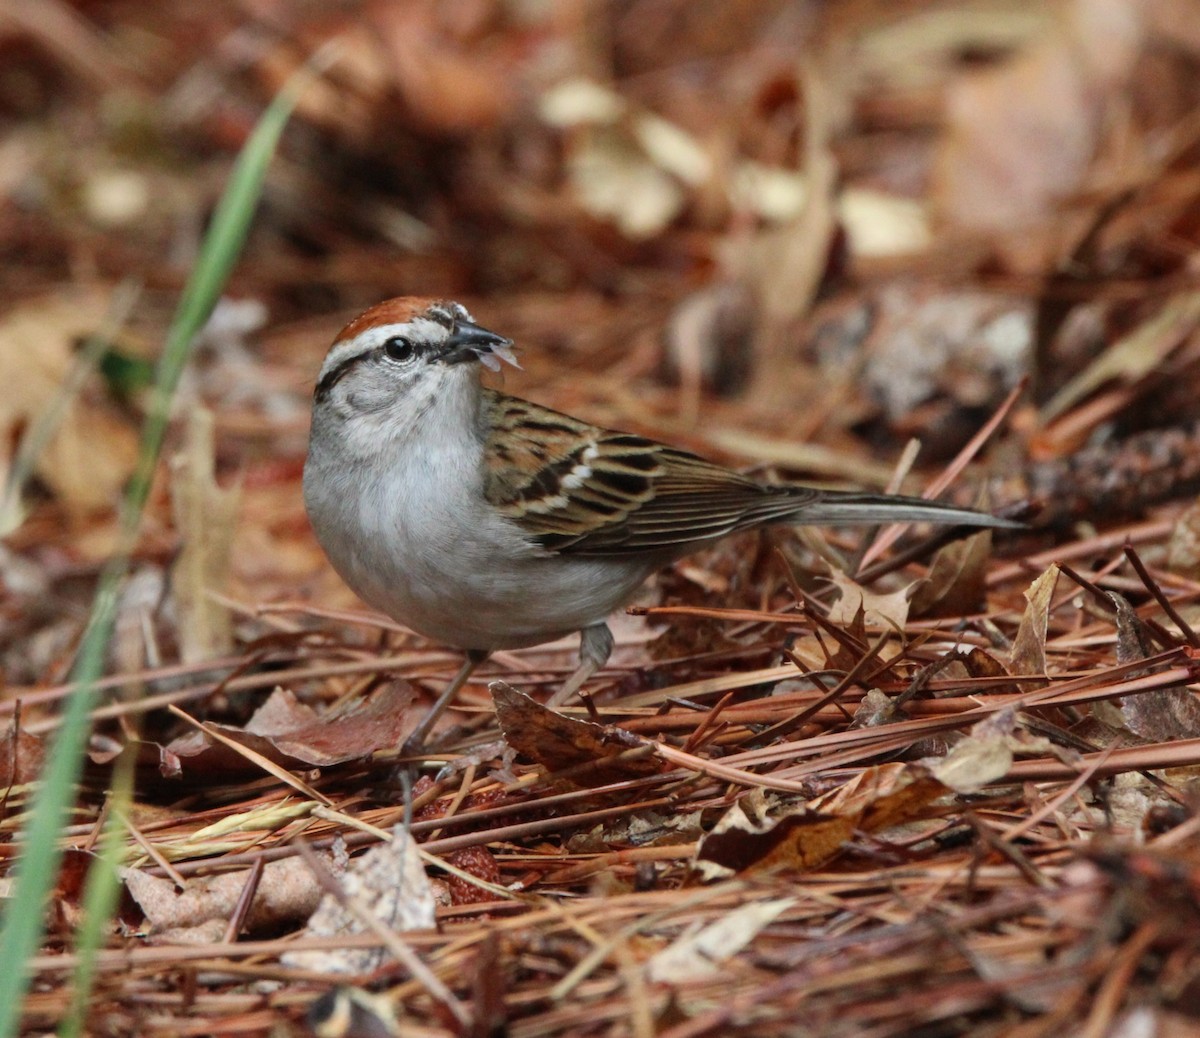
[{"x": 333, "y": 376}]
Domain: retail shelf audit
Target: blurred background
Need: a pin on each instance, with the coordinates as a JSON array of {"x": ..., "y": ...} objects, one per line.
[{"x": 779, "y": 231}]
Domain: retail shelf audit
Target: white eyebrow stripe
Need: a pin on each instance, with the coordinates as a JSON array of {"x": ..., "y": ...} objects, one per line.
[
  {"x": 342, "y": 353},
  {"x": 364, "y": 342}
]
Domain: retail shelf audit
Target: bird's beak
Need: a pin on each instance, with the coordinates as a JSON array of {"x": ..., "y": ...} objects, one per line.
[{"x": 470, "y": 342}]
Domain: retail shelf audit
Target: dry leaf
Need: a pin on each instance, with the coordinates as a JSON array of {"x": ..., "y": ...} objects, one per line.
[
  {"x": 1183, "y": 549},
  {"x": 286, "y": 892},
  {"x": 982, "y": 664},
  {"x": 92, "y": 453},
  {"x": 785, "y": 264},
  {"x": 557, "y": 742},
  {"x": 21, "y": 756},
  {"x": 1028, "y": 655},
  {"x": 672, "y": 148},
  {"x": 286, "y": 731},
  {"x": 614, "y": 179},
  {"x": 879, "y": 224},
  {"x": 623, "y": 166},
  {"x": 888, "y": 609},
  {"x": 699, "y": 954},
  {"x": 957, "y": 581},
  {"x": 1159, "y": 714},
  {"x": 983, "y": 756},
  {"x": 1022, "y": 134},
  {"x": 876, "y": 708},
  {"x": 579, "y": 102},
  {"x": 389, "y": 881},
  {"x": 745, "y": 838},
  {"x": 448, "y": 83}
]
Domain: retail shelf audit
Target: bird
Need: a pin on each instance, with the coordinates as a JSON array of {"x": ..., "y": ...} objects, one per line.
[{"x": 485, "y": 522}]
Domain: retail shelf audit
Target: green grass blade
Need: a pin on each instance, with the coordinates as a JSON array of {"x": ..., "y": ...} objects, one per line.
[
  {"x": 100, "y": 895},
  {"x": 21, "y": 928}
]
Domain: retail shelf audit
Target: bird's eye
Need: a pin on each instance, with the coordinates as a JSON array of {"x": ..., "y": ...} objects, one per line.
[{"x": 399, "y": 348}]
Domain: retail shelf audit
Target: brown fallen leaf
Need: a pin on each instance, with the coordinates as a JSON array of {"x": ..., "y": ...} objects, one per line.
[
  {"x": 21, "y": 756},
  {"x": 557, "y": 742},
  {"x": 92, "y": 452},
  {"x": 1021, "y": 134},
  {"x": 877, "y": 708},
  {"x": 982, "y": 664},
  {"x": 957, "y": 583},
  {"x": 1183, "y": 550},
  {"x": 746, "y": 839},
  {"x": 878, "y": 609},
  {"x": 1028, "y": 655},
  {"x": 286, "y": 892},
  {"x": 286, "y": 731},
  {"x": 1160, "y": 714},
  {"x": 986, "y": 753},
  {"x": 389, "y": 882},
  {"x": 451, "y": 82}
]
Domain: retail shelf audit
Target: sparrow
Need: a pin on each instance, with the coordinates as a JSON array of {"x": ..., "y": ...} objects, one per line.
[{"x": 486, "y": 522}]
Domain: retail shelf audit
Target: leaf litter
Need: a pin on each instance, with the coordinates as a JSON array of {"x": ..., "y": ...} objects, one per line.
[{"x": 951, "y": 791}]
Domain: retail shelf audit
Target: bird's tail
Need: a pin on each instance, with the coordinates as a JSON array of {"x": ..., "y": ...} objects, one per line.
[{"x": 841, "y": 507}]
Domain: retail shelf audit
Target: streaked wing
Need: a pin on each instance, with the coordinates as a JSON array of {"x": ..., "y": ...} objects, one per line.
[{"x": 574, "y": 487}]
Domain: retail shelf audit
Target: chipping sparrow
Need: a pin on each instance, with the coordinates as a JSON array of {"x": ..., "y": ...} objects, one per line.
[{"x": 486, "y": 522}]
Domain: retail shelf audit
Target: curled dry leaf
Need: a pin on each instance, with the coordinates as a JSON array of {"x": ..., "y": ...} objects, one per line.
[
  {"x": 746, "y": 839},
  {"x": 286, "y": 731},
  {"x": 1028, "y": 655},
  {"x": 889, "y": 609},
  {"x": 957, "y": 581},
  {"x": 979, "y": 663},
  {"x": 1159, "y": 714},
  {"x": 286, "y": 892},
  {"x": 557, "y": 742},
  {"x": 876, "y": 708},
  {"x": 983, "y": 756},
  {"x": 388, "y": 881}
]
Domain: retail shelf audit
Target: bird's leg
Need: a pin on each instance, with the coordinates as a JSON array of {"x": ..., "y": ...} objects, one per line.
[
  {"x": 415, "y": 743},
  {"x": 595, "y": 646}
]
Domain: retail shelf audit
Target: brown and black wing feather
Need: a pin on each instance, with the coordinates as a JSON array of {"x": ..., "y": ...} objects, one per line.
[{"x": 579, "y": 489}]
